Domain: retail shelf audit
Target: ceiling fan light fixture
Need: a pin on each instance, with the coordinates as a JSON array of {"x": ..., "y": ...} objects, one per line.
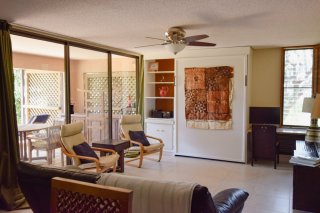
[{"x": 175, "y": 47}]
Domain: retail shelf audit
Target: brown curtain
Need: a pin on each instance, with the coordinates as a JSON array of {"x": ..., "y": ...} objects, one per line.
[{"x": 10, "y": 194}]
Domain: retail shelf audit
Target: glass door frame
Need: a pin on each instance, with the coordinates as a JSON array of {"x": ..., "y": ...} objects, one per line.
[{"x": 68, "y": 42}]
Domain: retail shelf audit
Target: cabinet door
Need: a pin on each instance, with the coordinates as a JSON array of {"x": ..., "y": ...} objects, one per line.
[{"x": 162, "y": 131}]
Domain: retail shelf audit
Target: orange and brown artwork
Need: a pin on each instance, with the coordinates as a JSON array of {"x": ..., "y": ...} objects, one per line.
[{"x": 208, "y": 93}]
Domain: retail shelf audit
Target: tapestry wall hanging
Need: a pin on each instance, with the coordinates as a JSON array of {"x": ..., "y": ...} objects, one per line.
[{"x": 208, "y": 96}]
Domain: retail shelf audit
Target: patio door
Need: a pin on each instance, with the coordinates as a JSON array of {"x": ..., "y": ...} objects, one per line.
[{"x": 43, "y": 94}]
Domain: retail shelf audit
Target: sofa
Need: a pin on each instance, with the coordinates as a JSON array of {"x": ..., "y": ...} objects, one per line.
[{"x": 35, "y": 183}]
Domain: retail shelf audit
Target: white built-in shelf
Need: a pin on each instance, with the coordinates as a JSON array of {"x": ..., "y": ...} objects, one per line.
[
  {"x": 160, "y": 72},
  {"x": 161, "y": 82},
  {"x": 154, "y": 97}
]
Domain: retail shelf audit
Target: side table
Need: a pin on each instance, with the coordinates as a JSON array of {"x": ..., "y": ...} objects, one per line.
[
  {"x": 306, "y": 186},
  {"x": 117, "y": 145}
]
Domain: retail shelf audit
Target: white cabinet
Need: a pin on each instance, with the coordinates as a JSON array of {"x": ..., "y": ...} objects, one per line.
[{"x": 163, "y": 129}]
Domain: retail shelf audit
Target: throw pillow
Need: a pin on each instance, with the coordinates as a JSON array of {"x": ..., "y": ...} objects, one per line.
[
  {"x": 84, "y": 149},
  {"x": 139, "y": 136}
]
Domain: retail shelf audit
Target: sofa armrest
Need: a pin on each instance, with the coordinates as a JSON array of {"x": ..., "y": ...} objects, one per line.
[
  {"x": 202, "y": 201},
  {"x": 230, "y": 200}
]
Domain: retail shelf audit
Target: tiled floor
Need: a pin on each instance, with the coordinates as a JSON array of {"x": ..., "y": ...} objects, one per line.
[{"x": 270, "y": 190}]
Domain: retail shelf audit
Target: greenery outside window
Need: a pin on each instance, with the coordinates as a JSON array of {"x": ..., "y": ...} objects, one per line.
[
  {"x": 17, "y": 92},
  {"x": 297, "y": 84}
]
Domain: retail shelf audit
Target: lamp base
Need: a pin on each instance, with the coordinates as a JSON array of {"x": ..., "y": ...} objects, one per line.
[{"x": 313, "y": 135}]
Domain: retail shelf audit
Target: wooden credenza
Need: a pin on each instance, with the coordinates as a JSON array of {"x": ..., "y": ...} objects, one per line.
[{"x": 306, "y": 187}]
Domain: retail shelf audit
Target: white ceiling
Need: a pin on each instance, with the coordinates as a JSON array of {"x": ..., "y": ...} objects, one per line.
[{"x": 125, "y": 23}]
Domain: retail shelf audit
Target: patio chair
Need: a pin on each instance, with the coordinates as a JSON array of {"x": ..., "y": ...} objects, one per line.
[
  {"x": 47, "y": 142},
  {"x": 74, "y": 146},
  {"x": 131, "y": 125}
]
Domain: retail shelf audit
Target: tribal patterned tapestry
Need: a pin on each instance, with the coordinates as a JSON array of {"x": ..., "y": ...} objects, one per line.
[{"x": 208, "y": 96}]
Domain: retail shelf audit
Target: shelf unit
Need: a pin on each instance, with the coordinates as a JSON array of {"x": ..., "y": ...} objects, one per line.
[
  {"x": 154, "y": 81},
  {"x": 163, "y": 128}
]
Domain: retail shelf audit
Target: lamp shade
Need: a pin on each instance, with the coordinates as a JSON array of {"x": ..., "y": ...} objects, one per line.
[
  {"x": 307, "y": 105},
  {"x": 316, "y": 107},
  {"x": 175, "y": 47}
]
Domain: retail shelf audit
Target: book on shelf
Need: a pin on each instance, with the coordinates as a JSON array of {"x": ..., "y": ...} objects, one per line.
[{"x": 305, "y": 161}]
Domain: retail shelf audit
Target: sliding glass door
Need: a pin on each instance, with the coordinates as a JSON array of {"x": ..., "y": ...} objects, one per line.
[
  {"x": 89, "y": 92},
  {"x": 39, "y": 79},
  {"x": 102, "y": 85},
  {"x": 124, "y": 89}
]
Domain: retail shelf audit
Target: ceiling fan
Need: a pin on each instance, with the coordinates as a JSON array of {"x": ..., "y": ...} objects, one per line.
[{"x": 176, "y": 41}]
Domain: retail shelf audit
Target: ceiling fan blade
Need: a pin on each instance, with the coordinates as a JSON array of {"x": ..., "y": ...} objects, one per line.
[
  {"x": 156, "y": 38},
  {"x": 198, "y": 43},
  {"x": 150, "y": 45},
  {"x": 195, "y": 38}
]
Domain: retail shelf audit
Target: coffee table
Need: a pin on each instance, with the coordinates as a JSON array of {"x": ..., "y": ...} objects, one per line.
[{"x": 117, "y": 145}]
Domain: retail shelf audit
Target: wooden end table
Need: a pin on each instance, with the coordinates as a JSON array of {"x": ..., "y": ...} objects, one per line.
[{"x": 117, "y": 145}]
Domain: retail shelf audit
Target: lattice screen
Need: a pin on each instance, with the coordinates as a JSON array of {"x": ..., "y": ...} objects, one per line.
[
  {"x": 96, "y": 101},
  {"x": 97, "y": 98},
  {"x": 43, "y": 93},
  {"x": 123, "y": 86},
  {"x": 123, "y": 89}
]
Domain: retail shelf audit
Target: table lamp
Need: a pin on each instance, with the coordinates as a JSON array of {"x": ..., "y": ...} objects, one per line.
[
  {"x": 312, "y": 106},
  {"x": 315, "y": 115},
  {"x": 307, "y": 107}
]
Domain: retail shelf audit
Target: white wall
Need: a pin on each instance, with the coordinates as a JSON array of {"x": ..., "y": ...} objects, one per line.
[{"x": 214, "y": 144}]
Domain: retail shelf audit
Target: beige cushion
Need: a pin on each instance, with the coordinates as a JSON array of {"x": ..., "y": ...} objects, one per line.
[
  {"x": 150, "y": 148},
  {"x": 105, "y": 161},
  {"x": 130, "y": 119},
  {"x": 153, "y": 147},
  {"x": 71, "y": 135},
  {"x": 130, "y": 122}
]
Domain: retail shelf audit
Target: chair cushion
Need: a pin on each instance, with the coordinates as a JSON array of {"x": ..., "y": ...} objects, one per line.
[
  {"x": 84, "y": 149},
  {"x": 71, "y": 135},
  {"x": 139, "y": 136},
  {"x": 153, "y": 147},
  {"x": 105, "y": 161}
]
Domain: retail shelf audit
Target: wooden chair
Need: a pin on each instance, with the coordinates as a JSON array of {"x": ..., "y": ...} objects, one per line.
[
  {"x": 264, "y": 143},
  {"x": 71, "y": 135},
  {"x": 133, "y": 123},
  {"x": 49, "y": 141},
  {"x": 76, "y": 196}
]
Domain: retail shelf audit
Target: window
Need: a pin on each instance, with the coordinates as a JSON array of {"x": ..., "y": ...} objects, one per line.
[{"x": 297, "y": 84}]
